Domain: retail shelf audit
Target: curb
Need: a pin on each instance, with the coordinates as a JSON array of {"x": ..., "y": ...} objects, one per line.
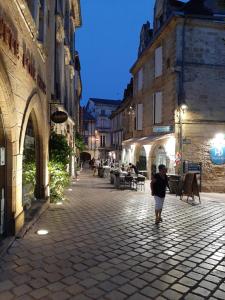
[{"x": 8, "y": 242}]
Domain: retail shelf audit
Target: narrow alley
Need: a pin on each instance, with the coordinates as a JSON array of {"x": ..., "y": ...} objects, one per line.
[{"x": 102, "y": 243}]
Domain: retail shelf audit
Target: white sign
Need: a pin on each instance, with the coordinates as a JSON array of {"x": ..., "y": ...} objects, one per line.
[{"x": 2, "y": 156}]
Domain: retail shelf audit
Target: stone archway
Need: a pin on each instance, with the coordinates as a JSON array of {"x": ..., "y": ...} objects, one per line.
[
  {"x": 85, "y": 156},
  {"x": 142, "y": 159},
  {"x": 40, "y": 126},
  {"x": 158, "y": 157}
]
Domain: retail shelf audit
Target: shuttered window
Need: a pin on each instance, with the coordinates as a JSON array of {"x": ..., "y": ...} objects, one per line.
[
  {"x": 157, "y": 108},
  {"x": 158, "y": 62},
  {"x": 139, "y": 116},
  {"x": 140, "y": 79}
]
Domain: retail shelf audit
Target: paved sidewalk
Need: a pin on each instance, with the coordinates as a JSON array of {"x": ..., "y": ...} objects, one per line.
[{"x": 103, "y": 244}]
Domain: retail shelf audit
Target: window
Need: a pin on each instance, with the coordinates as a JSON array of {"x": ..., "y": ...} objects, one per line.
[
  {"x": 41, "y": 23},
  {"x": 102, "y": 141},
  {"x": 157, "y": 108},
  {"x": 139, "y": 116},
  {"x": 86, "y": 140},
  {"x": 102, "y": 112},
  {"x": 158, "y": 62}
]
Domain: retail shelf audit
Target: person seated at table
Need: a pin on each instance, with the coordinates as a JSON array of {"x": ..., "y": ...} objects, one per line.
[
  {"x": 133, "y": 168},
  {"x": 123, "y": 167}
]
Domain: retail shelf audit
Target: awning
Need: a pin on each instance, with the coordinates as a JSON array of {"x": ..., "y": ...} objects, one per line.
[{"x": 147, "y": 139}]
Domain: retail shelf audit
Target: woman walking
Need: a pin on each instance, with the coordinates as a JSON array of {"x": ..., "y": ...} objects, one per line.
[{"x": 159, "y": 183}]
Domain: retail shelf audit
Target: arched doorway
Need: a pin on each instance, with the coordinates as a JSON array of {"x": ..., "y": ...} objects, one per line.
[
  {"x": 85, "y": 156},
  {"x": 142, "y": 161},
  {"x": 2, "y": 175},
  {"x": 29, "y": 166},
  {"x": 159, "y": 158}
]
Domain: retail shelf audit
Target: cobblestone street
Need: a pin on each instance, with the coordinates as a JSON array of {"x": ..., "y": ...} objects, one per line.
[{"x": 103, "y": 244}]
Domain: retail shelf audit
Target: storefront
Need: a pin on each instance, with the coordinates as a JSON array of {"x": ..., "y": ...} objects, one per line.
[
  {"x": 22, "y": 99},
  {"x": 149, "y": 152}
]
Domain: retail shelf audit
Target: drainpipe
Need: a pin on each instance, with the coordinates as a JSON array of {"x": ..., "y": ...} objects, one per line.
[{"x": 181, "y": 96}]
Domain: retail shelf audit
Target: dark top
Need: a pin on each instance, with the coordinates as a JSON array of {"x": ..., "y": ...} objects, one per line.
[
  {"x": 159, "y": 187},
  {"x": 135, "y": 169}
]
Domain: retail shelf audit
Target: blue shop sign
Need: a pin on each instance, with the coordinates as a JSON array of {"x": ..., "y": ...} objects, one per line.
[{"x": 217, "y": 155}]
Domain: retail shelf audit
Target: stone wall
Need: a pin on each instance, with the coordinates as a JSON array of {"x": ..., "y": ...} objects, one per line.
[{"x": 204, "y": 86}]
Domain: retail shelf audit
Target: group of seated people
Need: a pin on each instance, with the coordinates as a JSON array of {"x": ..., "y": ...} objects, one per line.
[{"x": 130, "y": 169}]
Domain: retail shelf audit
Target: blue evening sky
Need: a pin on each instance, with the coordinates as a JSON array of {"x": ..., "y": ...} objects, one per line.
[{"x": 108, "y": 43}]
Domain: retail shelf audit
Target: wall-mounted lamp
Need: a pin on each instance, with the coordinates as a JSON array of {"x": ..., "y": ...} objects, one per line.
[
  {"x": 131, "y": 109},
  {"x": 184, "y": 107}
]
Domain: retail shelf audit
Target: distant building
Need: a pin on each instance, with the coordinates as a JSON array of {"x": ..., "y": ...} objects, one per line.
[
  {"x": 98, "y": 133},
  {"x": 122, "y": 122},
  {"x": 179, "y": 88}
]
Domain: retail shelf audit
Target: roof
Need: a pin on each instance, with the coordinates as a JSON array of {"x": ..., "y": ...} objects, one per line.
[
  {"x": 197, "y": 7},
  {"x": 106, "y": 101},
  {"x": 176, "y": 4}
]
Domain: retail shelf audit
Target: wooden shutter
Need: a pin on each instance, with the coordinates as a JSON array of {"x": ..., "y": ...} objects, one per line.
[
  {"x": 139, "y": 116},
  {"x": 157, "y": 108},
  {"x": 158, "y": 62}
]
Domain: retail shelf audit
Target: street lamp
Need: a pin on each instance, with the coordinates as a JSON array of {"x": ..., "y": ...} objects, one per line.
[{"x": 181, "y": 110}]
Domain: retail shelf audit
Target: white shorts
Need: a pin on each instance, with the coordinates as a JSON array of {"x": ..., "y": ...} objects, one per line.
[{"x": 158, "y": 202}]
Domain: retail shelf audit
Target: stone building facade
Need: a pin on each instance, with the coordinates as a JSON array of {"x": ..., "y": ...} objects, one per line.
[
  {"x": 26, "y": 87},
  {"x": 63, "y": 69},
  {"x": 179, "y": 86},
  {"x": 97, "y": 133},
  {"x": 122, "y": 122}
]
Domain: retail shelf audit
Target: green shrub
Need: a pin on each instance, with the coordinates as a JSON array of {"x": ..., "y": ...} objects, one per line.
[
  {"x": 59, "y": 179},
  {"x": 29, "y": 173},
  {"x": 79, "y": 142},
  {"x": 59, "y": 153},
  {"x": 59, "y": 150}
]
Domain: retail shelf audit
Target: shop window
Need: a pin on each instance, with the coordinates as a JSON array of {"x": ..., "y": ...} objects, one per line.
[
  {"x": 157, "y": 108},
  {"x": 158, "y": 62}
]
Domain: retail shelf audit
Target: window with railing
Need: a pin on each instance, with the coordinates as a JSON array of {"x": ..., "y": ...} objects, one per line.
[{"x": 102, "y": 140}]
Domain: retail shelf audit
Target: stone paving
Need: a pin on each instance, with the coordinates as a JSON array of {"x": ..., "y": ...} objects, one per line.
[{"x": 103, "y": 244}]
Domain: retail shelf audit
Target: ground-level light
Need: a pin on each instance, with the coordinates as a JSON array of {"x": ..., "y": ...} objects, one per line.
[{"x": 42, "y": 232}]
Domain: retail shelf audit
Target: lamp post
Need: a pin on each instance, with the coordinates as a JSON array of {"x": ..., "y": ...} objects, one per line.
[{"x": 181, "y": 110}]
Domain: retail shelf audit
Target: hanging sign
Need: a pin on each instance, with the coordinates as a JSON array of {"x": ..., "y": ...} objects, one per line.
[{"x": 59, "y": 117}]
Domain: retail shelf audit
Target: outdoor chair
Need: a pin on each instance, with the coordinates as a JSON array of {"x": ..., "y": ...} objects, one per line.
[
  {"x": 128, "y": 181},
  {"x": 140, "y": 182}
]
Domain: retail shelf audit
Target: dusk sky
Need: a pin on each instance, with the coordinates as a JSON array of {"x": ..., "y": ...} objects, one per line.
[{"x": 108, "y": 43}]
